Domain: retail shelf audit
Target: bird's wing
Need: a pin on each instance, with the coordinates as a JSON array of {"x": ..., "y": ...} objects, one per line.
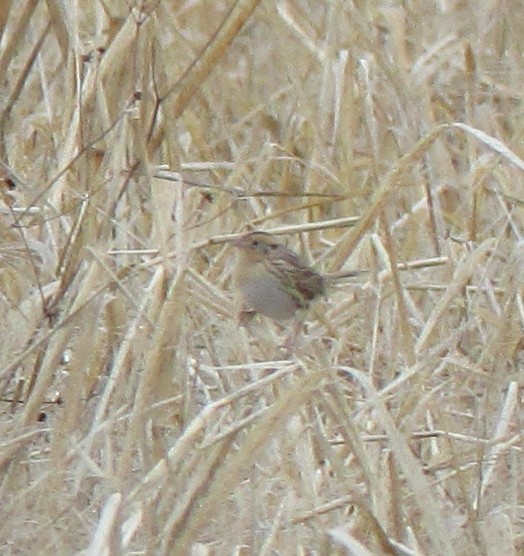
[{"x": 298, "y": 279}]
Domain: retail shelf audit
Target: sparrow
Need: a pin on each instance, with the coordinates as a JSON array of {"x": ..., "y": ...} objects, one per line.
[{"x": 272, "y": 279}]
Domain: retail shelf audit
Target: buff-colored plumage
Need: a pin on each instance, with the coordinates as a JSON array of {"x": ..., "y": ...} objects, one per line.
[{"x": 272, "y": 279}]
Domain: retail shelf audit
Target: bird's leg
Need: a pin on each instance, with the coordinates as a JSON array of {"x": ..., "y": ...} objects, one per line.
[{"x": 245, "y": 317}]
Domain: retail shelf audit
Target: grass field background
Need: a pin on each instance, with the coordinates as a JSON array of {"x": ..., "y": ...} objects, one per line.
[{"x": 136, "y": 415}]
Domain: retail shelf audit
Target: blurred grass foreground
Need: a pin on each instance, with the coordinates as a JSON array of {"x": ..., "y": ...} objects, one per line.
[{"x": 137, "y": 416}]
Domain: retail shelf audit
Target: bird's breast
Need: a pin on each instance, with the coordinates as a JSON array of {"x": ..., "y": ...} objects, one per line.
[{"x": 263, "y": 292}]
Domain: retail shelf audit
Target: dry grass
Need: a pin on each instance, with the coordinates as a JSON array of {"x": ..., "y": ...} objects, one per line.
[{"x": 136, "y": 416}]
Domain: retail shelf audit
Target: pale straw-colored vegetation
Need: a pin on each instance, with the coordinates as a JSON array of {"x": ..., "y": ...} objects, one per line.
[{"x": 137, "y": 416}]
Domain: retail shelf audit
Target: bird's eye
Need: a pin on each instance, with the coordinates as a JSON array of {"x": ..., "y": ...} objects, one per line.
[
  {"x": 256, "y": 243},
  {"x": 274, "y": 246}
]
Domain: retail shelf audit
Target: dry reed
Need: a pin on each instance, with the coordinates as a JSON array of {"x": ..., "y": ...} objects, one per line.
[{"x": 136, "y": 138}]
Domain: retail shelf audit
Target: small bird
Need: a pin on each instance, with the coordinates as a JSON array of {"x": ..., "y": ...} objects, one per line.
[{"x": 272, "y": 279}]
